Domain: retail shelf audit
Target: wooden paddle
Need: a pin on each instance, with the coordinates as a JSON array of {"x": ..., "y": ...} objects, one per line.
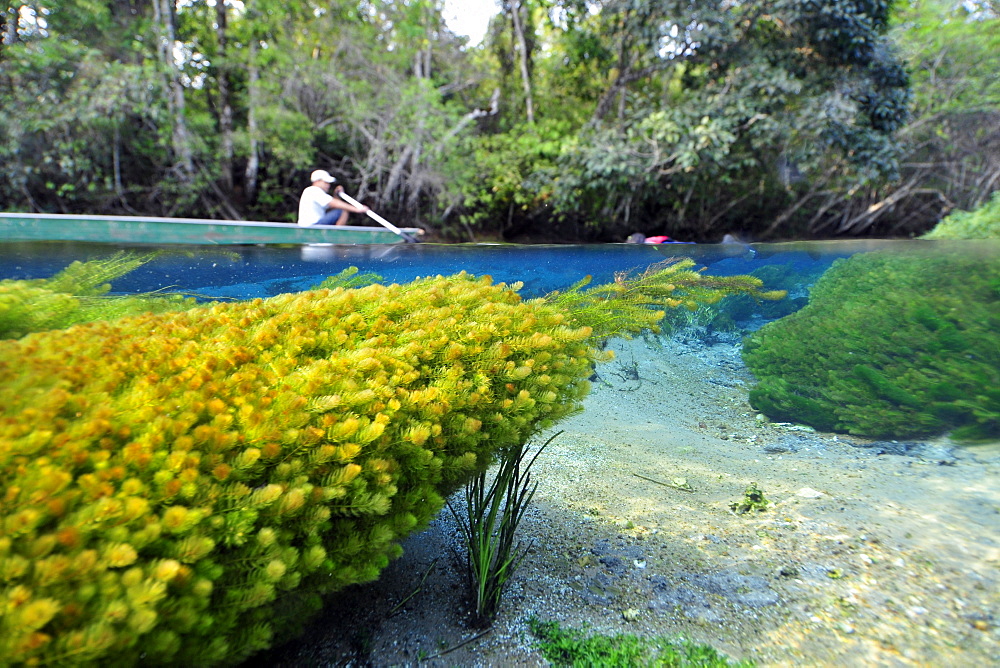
[{"x": 408, "y": 238}]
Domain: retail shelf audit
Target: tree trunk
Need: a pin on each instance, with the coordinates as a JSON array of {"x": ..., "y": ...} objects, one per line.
[
  {"x": 621, "y": 82},
  {"x": 422, "y": 63},
  {"x": 225, "y": 101},
  {"x": 166, "y": 21},
  {"x": 395, "y": 179},
  {"x": 116, "y": 161},
  {"x": 524, "y": 54},
  {"x": 253, "y": 158}
]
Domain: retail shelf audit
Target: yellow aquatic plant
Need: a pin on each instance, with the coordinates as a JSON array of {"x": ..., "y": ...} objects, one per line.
[
  {"x": 632, "y": 301},
  {"x": 182, "y": 488}
]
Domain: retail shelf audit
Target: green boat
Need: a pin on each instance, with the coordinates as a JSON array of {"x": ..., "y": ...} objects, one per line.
[{"x": 149, "y": 230}]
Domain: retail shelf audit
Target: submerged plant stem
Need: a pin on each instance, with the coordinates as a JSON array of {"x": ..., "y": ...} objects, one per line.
[{"x": 492, "y": 514}]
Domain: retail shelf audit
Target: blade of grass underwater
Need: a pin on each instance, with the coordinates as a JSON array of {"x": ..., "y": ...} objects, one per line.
[{"x": 489, "y": 528}]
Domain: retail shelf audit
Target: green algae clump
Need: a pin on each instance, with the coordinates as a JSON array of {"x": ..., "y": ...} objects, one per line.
[
  {"x": 753, "y": 501},
  {"x": 889, "y": 346},
  {"x": 182, "y": 488}
]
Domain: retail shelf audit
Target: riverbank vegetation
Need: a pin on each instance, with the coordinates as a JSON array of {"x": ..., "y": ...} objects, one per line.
[{"x": 573, "y": 120}]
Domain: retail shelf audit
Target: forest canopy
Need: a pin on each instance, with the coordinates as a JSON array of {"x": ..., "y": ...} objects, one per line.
[{"x": 574, "y": 120}]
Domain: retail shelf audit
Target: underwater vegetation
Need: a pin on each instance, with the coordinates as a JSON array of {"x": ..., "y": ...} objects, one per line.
[
  {"x": 732, "y": 313},
  {"x": 182, "y": 488},
  {"x": 348, "y": 278},
  {"x": 617, "y": 307},
  {"x": 493, "y": 511},
  {"x": 889, "y": 346},
  {"x": 572, "y": 647},
  {"x": 738, "y": 308},
  {"x": 77, "y": 294},
  {"x": 753, "y": 501}
]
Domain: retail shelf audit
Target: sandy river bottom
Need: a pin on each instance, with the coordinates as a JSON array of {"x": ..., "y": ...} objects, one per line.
[{"x": 869, "y": 553}]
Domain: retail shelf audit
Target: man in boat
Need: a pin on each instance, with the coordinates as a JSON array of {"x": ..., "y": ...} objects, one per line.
[{"x": 318, "y": 207}]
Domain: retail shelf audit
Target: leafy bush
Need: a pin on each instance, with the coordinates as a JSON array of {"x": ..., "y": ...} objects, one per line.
[
  {"x": 506, "y": 177},
  {"x": 982, "y": 223},
  {"x": 181, "y": 488},
  {"x": 888, "y": 346}
]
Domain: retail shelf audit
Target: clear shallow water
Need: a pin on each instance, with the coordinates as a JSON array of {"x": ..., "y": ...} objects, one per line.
[
  {"x": 892, "y": 487},
  {"x": 236, "y": 273},
  {"x": 258, "y": 271}
]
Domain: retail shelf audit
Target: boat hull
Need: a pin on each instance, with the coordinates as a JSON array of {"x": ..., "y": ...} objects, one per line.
[{"x": 151, "y": 230}]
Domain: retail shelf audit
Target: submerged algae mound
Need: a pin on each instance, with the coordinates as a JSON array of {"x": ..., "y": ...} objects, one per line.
[
  {"x": 889, "y": 346},
  {"x": 182, "y": 488}
]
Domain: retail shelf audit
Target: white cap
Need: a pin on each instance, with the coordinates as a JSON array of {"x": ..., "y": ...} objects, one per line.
[{"x": 321, "y": 175}]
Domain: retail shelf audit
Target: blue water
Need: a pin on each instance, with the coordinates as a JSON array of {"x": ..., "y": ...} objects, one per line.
[{"x": 259, "y": 271}]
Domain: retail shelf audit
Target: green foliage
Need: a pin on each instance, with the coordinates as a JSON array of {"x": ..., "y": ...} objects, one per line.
[
  {"x": 509, "y": 175},
  {"x": 290, "y": 138},
  {"x": 952, "y": 56},
  {"x": 889, "y": 346},
  {"x": 952, "y": 156},
  {"x": 400, "y": 134},
  {"x": 575, "y": 648},
  {"x": 91, "y": 101},
  {"x": 81, "y": 128},
  {"x": 983, "y": 223},
  {"x": 77, "y": 294},
  {"x": 689, "y": 126},
  {"x": 677, "y": 117},
  {"x": 489, "y": 527}
]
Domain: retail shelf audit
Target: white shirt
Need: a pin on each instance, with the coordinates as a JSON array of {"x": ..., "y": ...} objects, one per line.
[{"x": 312, "y": 205}]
